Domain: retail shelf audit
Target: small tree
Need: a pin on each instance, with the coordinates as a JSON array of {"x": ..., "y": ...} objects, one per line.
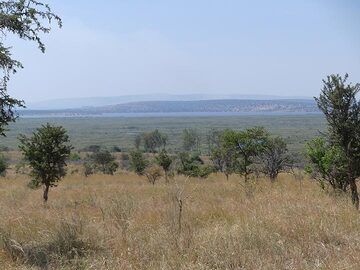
[
  {"x": 193, "y": 166},
  {"x": 247, "y": 145},
  {"x": 275, "y": 158},
  {"x": 154, "y": 140},
  {"x": 338, "y": 101},
  {"x": 138, "y": 163},
  {"x": 327, "y": 164},
  {"x": 153, "y": 173},
  {"x": 164, "y": 161},
  {"x": 223, "y": 158},
  {"x": 46, "y": 151},
  {"x": 102, "y": 161}
]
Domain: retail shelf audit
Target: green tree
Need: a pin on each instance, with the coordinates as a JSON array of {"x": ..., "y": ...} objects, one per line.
[
  {"x": 275, "y": 158},
  {"x": 193, "y": 166},
  {"x": 26, "y": 19},
  {"x": 342, "y": 112},
  {"x": 327, "y": 164},
  {"x": 46, "y": 151},
  {"x": 247, "y": 145},
  {"x": 138, "y": 163},
  {"x": 101, "y": 161},
  {"x": 191, "y": 140},
  {"x": 164, "y": 161}
]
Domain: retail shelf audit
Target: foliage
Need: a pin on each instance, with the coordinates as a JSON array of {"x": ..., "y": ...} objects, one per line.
[
  {"x": 191, "y": 140},
  {"x": 26, "y": 19},
  {"x": 164, "y": 161},
  {"x": 342, "y": 111},
  {"x": 154, "y": 140},
  {"x": 138, "y": 163},
  {"x": 275, "y": 158},
  {"x": 247, "y": 145},
  {"x": 223, "y": 158},
  {"x": 101, "y": 161},
  {"x": 46, "y": 151},
  {"x": 193, "y": 166},
  {"x": 327, "y": 164}
]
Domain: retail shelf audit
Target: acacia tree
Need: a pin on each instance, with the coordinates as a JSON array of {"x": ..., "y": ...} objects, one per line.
[
  {"x": 46, "y": 151},
  {"x": 26, "y": 19},
  {"x": 275, "y": 158},
  {"x": 246, "y": 145},
  {"x": 342, "y": 112}
]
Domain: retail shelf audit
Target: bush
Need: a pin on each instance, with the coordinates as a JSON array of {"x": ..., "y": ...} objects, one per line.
[
  {"x": 101, "y": 161},
  {"x": 138, "y": 163}
]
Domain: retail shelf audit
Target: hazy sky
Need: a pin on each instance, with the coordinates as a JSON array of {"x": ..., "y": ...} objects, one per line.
[{"x": 124, "y": 47}]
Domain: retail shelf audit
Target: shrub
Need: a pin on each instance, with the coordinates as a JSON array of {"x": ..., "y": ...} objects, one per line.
[
  {"x": 102, "y": 161},
  {"x": 138, "y": 163}
]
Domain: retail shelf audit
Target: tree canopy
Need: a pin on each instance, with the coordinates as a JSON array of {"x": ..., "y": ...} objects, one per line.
[{"x": 26, "y": 19}]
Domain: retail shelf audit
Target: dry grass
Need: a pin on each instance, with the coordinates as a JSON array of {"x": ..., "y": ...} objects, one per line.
[{"x": 123, "y": 222}]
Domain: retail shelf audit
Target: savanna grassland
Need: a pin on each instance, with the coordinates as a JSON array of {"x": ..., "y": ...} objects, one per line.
[
  {"x": 123, "y": 222},
  {"x": 121, "y": 131}
]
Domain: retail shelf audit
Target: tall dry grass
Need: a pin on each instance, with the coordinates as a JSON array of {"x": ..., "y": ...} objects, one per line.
[{"x": 123, "y": 222}]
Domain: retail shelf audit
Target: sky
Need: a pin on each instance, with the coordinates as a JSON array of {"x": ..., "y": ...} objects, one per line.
[{"x": 136, "y": 47}]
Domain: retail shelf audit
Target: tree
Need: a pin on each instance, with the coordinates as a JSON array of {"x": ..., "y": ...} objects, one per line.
[
  {"x": 222, "y": 157},
  {"x": 246, "y": 145},
  {"x": 138, "y": 163},
  {"x": 191, "y": 140},
  {"x": 154, "y": 140},
  {"x": 275, "y": 158},
  {"x": 153, "y": 173},
  {"x": 101, "y": 161},
  {"x": 26, "y": 19},
  {"x": 327, "y": 164},
  {"x": 46, "y": 151},
  {"x": 193, "y": 166},
  {"x": 164, "y": 161},
  {"x": 342, "y": 112},
  {"x": 224, "y": 160}
]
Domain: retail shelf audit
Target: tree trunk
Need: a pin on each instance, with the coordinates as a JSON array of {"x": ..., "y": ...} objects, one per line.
[
  {"x": 46, "y": 192},
  {"x": 354, "y": 193}
]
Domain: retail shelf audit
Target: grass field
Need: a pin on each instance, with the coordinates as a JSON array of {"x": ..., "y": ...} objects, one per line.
[
  {"x": 123, "y": 222},
  {"x": 121, "y": 131}
]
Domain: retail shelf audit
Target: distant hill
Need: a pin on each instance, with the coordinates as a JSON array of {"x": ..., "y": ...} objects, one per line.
[
  {"x": 73, "y": 103},
  {"x": 199, "y": 106}
]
